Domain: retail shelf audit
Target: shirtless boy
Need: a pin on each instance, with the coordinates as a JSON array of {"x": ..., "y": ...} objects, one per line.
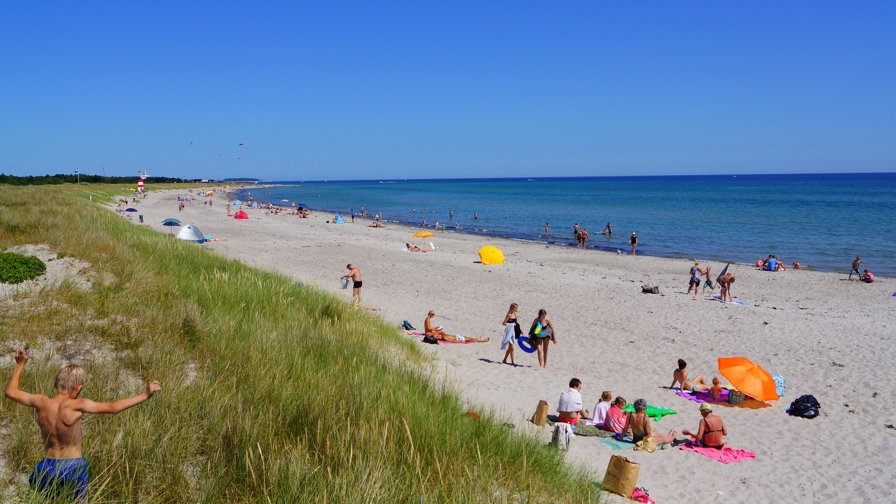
[
  {"x": 64, "y": 470},
  {"x": 355, "y": 274}
]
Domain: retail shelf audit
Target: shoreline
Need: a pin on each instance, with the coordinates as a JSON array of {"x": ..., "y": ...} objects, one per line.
[
  {"x": 594, "y": 240},
  {"x": 826, "y": 336}
]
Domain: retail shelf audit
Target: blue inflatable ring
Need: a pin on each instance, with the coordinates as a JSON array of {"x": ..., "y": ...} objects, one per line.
[{"x": 523, "y": 342}]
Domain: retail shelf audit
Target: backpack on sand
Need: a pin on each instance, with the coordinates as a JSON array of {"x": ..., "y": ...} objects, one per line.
[
  {"x": 431, "y": 340},
  {"x": 805, "y": 406}
]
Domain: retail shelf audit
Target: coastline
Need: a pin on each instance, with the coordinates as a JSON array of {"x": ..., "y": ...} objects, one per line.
[{"x": 797, "y": 323}]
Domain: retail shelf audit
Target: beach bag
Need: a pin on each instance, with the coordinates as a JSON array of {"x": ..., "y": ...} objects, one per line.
[
  {"x": 622, "y": 476},
  {"x": 646, "y": 289},
  {"x": 407, "y": 326},
  {"x": 735, "y": 397},
  {"x": 647, "y": 444},
  {"x": 779, "y": 384},
  {"x": 562, "y": 437},
  {"x": 805, "y": 406},
  {"x": 541, "y": 414},
  {"x": 431, "y": 340}
]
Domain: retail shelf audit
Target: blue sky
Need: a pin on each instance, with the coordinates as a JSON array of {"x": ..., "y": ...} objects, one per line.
[{"x": 419, "y": 90}]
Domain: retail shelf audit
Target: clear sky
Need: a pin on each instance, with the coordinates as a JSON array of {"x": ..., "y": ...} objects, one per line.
[{"x": 423, "y": 90}]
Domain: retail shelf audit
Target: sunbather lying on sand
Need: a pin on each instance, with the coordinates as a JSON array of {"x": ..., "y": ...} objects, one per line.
[
  {"x": 688, "y": 383},
  {"x": 376, "y": 224},
  {"x": 639, "y": 424},
  {"x": 439, "y": 334},
  {"x": 414, "y": 248}
]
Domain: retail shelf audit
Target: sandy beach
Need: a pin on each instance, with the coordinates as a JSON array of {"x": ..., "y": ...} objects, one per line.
[{"x": 827, "y": 336}]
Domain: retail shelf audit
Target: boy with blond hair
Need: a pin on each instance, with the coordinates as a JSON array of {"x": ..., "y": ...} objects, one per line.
[{"x": 64, "y": 470}]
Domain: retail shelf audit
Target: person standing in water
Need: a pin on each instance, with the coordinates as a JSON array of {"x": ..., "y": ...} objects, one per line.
[
  {"x": 546, "y": 232},
  {"x": 633, "y": 242},
  {"x": 608, "y": 229}
]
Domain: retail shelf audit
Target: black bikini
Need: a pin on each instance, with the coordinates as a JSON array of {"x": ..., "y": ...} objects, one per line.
[{"x": 707, "y": 431}]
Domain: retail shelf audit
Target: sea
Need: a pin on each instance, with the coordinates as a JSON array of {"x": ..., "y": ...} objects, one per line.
[{"x": 822, "y": 221}]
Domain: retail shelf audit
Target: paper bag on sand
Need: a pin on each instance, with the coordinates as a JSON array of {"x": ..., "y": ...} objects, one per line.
[
  {"x": 621, "y": 477},
  {"x": 541, "y": 414}
]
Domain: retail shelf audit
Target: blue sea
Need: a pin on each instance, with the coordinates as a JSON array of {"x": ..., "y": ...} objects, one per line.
[{"x": 822, "y": 221}]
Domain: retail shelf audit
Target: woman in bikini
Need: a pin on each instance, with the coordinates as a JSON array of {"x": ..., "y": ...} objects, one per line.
[
  {"x": 688, "y": 383},
  {"x": 439, "y": 334},
  {"x": 639, "y": 424},
  {"x": 543, "y": 334},
  {"x": 510, "y": 332},
  {"x": 712, "y": 431}
]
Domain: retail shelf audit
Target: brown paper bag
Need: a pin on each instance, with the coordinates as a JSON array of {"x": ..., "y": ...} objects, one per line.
[
  {"x": 541, "y": 414},
  {"x": 621, "y": 477}
]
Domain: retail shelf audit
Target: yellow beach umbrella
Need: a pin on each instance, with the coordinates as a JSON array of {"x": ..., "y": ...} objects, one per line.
[{"x": 491, "y": 255}]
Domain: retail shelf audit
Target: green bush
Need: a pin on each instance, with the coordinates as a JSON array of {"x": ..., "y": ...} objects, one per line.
[{"x": 16, "y": 268}]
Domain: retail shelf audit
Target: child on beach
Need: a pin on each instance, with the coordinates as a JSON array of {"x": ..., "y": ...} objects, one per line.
[
  {"x": 64, "y": 470},
  {"x": 716, "y": 391},
  {"x": 600, "y": 409},
  {"x": 708, "y": 283},
  {"x": 867, "y": 277}
]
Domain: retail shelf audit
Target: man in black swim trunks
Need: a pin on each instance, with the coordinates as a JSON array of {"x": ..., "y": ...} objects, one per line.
[{"x": 355, "y": 275}]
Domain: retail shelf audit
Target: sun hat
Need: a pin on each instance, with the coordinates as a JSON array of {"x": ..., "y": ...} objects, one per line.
[{"x": 705, "y": 407}]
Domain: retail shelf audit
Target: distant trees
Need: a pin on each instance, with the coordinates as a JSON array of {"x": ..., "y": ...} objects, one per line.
[{"x": 60, "y": 178}]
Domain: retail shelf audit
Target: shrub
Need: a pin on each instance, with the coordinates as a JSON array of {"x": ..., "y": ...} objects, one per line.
[{"x": 16, "y": 268}]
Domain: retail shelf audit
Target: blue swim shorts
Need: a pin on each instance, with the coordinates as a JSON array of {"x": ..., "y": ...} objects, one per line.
[{"x": 60, "y": 477}]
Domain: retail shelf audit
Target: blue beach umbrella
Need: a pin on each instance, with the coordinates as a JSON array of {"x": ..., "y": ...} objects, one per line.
[{"x": 171, "y": 223}]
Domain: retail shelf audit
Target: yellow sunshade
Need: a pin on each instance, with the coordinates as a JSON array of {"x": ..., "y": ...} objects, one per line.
[{"x": 491, "y": 255}]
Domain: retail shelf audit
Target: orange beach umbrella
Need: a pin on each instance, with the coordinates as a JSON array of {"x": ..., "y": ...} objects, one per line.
[{"x": 748, "y": 377}]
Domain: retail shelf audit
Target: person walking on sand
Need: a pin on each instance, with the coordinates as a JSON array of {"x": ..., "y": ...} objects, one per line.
[
  {"x": 355, "y": 275},
  {"x": 708, "y": 283},
  {"x": 855, "y": 268},
  {"x": 712, "y": 431},
  {"x": 633, "y": 242},
  {"x": 511, "y": 331},
  {"x": 543, "y": 334},
  {"x": 695, "y": 277},
  {"x": 64, "y": 471}
]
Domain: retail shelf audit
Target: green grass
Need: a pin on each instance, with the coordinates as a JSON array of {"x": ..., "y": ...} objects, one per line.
[
  {"x": 16, "y": 268},
  {"x": 272, "y": 392}
]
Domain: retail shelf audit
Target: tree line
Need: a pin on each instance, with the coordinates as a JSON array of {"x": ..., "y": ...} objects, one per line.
[{"x": 60, "y": 178}]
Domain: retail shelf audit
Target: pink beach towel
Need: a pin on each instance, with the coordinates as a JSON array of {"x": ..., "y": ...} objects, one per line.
[
  {"x": 726, "y": 455},
  {"x": 442, "y": 342}
]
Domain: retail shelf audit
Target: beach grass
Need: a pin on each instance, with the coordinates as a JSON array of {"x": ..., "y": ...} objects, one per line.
[{"x": 272, "y": 391}]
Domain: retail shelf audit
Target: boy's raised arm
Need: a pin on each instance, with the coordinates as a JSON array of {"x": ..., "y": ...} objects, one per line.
[
  {"x": 12, "y": 388},
  {"x": 88, "y": 406}
]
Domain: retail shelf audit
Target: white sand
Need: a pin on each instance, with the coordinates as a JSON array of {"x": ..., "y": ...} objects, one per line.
[{"x": 612, "y": 337}]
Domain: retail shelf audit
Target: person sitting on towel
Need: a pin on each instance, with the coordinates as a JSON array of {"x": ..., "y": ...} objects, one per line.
[
  {"x": 615, "y": 421},
  {"x": 712, "y": 431},
  {"x": 439, "y": 334},
  {"x": 639, "y": 424},
  {"x": 599, "y": 416},
  {"x": 570, "y": 408},
  {"x": 688, "y": 383}
]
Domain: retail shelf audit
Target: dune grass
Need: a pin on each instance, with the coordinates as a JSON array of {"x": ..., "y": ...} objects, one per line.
[{"x": 272, "y": 392}]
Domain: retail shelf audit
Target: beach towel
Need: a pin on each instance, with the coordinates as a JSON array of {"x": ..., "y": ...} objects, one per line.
[
  {"x": 441, "y": 342},
  {"x": 618, "y": 445},
  {"x": 726, "y": 455},
  {"x": 704, "y": 397}
]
